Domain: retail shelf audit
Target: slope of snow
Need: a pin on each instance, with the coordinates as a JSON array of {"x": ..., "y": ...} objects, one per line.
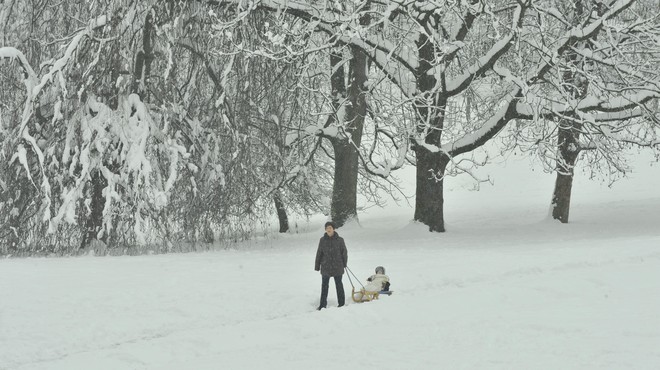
[{"x": 504, "y": 288}]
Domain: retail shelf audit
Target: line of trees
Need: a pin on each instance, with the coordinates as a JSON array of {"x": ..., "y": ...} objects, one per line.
[{"x": 136, "y": 122}]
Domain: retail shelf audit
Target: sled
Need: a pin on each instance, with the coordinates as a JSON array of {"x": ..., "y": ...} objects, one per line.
[{"x": 366, "y": 296}]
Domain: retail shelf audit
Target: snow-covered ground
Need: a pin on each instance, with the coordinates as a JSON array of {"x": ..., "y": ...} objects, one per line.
[{"x": 504, "y": 288}]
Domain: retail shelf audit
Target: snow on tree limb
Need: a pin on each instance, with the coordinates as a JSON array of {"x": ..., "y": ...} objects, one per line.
[
  {"x": 119, "y": 143},
  {"x": 612, "y": 108},
  {"x": 386, "y": 47},
  {"x": 575, "y": 34},
  {"x": 461, "y": 30},
  {"x": 486, "y": 62},
  {"x": 619, "y": 103},
  {"x": 619, "y": 116},
  {"x": 34, "y": 87},
  {"x": 7, "y": 52},
  {"x": 115, "y": 143},
  {"x": 513, "y": 107},
  {"x": 401, "y": 78},
  {"x": 624, "y": 69},
  {"x": 460, "y": 83},
  {"x": 490, "y": 128},
  {"x": 59, "y": 65}
]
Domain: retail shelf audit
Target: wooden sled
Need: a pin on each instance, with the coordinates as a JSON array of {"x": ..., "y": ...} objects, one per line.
[{"x": 366, "y": 296}]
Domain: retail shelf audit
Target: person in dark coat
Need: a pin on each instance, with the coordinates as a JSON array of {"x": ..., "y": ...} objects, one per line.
[{"x": 331, "y": 259}]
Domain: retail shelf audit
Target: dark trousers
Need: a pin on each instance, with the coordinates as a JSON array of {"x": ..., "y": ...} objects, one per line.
[{"x": 325, "y": 282}]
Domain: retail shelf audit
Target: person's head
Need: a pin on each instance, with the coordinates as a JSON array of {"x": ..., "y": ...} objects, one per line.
[
  {"x": 380, "y": 270},
  {"x": 330, "y": 228}
]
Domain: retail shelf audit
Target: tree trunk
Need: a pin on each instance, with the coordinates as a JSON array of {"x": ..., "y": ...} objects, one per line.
[
  {"x": 20, "y": 204},
  {"x": 94, "y": 222},
  {"x": 568, "y": 133},
  {"x": 143, "y": 59},
  {"x": 281, "y": 212},
  {"x": 344, "y": 189},
  {"x": 430, "y": 108},
  {"x": 561, "y": 197},
  {"x": 429, "y": 199},
  {"x": 568, "y": 150}
]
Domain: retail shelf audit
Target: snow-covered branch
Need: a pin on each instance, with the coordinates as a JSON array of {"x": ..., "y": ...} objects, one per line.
[
  {"x": 490, "y": 128},
  {"x": 59, "y": 65},
  {"x": 514, "y": 107},
  {"x": 390, "y": 51},
  {"x": 11, "y": 53},
  {"x": 463, "y": 81},
  {"x": 486, "y": 62},
  {"x": 401, "y": 78},
  {"x": 599, "y": 109},
  {"x": 573, "y": 36},
  {"x": 618, "y": 104},
  {"x": 460, "y": 30}
]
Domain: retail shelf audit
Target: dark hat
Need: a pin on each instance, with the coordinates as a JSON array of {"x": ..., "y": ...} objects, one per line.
[
  {"x": 380, "y": 270},
  {"x": 330, "y": 223}
]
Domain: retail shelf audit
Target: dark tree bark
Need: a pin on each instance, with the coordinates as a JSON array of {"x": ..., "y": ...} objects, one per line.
[
  {"x": 344, "y": 189},
  {"x": 144, "y": 58},
  {"x": 281, "y": 212},
  {"x": 429, "y": 201},
  {"x": 568, "y": 151},
  {"x": 568, "y": 135},
  {"x": 94, "y": 221}
]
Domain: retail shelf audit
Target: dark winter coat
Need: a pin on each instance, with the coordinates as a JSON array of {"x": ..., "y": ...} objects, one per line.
[{"x": 331, "y": 256}]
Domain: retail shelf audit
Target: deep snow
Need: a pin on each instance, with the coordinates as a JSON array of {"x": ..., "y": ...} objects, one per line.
[{"x": 503, "y": 288}]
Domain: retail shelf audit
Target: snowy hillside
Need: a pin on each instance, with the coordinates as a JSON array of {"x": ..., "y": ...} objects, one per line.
[{"x": 504, "y": 288}]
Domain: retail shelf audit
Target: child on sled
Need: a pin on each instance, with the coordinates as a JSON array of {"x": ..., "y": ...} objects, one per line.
[{"x": 375, "y": 284}]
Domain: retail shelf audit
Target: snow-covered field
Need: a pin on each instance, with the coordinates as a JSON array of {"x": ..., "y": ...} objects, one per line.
[{"x": 504, "y": 288}]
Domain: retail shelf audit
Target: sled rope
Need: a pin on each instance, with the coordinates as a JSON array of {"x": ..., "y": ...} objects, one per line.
[{"x": 349, "y": 273}]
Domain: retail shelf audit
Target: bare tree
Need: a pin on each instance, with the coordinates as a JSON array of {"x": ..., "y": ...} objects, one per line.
[{"x": 613, "y": 67}]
